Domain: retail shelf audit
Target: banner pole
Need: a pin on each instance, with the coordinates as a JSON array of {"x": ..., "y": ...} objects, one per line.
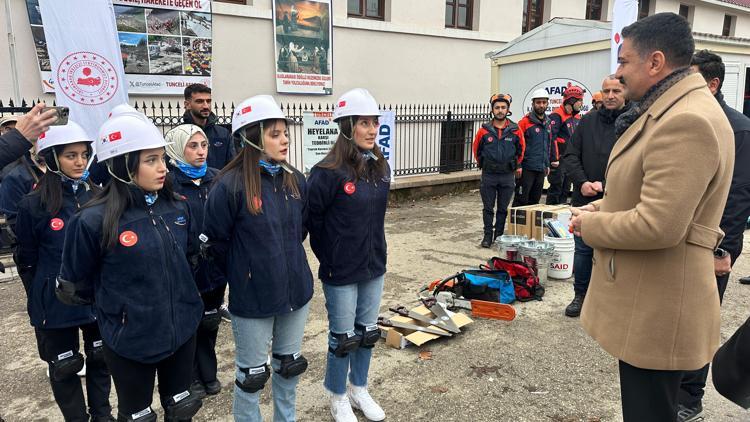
[{"x": 12, "y": 51}]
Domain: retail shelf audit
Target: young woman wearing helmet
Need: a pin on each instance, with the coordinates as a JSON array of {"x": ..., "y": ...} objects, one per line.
[
  {"x": 129, "y": 251},
  {"x": 190, "y": 176},
  {"x": 255, "y": 229},
  {"x": 347, "y": 202},
  {"x": 43, "y": 218}
]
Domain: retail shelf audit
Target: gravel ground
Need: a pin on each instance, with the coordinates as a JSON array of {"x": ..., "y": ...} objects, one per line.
[{"x": 539, "y": 367}]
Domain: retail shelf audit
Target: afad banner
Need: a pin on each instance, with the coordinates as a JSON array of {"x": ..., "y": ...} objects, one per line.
[
  {"x": 387, "y": 138},
  {"x": 319, "y": 133},
  {"x": 555, "y": 89},
  {"x": 302, "y": 46},
  {"x": 165, "y": 45}
]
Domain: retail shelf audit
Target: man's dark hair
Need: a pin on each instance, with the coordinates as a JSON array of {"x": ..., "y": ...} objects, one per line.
[
  {"x": 196, "y": 88},
  {"x": 666, "y": 32},
  {"x": 709, "y": 65}
]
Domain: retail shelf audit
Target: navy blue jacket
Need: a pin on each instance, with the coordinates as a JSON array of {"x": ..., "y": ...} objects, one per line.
[
  {"x": 20, "y": 181},
  {"x": 737, "y": 210},
  {"x": 39, "y": 255},
  {"x": 562, "y": 126},
  {"x": 537, "y": 137},
  {"x": 220, "y": 147},
  {"x": 265, "y": 262},
  {"x": 207, "y": 276},
  {"x": 347, "y": 225},
  {"x": 145, "y": 297},
  {"x": 12, "y": 147},
  {"x": 498, "y": 152}
]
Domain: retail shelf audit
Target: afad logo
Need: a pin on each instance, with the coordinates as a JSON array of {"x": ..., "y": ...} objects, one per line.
[
  {"x": 128, "y": 238},
  {"x": 87, "y": 78},
  {"x": 350, "y": 188},
  {"x": 181, "y": 220},
  {"x": 342, "y": 103},
  {"x": 56, "y": 224}
]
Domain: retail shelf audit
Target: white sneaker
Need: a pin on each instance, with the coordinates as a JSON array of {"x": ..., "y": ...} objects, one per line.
[
  {"x": 361, "y": 400},
  {"x": 341, "y": 409}
]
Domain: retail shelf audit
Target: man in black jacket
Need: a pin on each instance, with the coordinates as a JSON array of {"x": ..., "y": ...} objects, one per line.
[
  {"x": 585, "y": 162},
  {"x": 198, "y": 112},
  {"x": 733, "y": 220},
  {"x": 15, "y": 143}
]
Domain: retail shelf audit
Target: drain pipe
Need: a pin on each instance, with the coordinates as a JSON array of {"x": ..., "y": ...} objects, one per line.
[{"x": 12, "y": 51}]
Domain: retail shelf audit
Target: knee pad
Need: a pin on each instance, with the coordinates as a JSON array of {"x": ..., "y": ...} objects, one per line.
[
  {"x": 96, "y": 354},
  {"x": 370, "y": 335},
  {"x": 211, "y": 320},
  {"x": 145, "y": 415},
  {"x": 345, "y": 344},
  {"x": 65, "y": 365},
  {"x": 181, "y": 407},
  {"x": 255, "y": 379},
  {"x": 291, "y": 365}
]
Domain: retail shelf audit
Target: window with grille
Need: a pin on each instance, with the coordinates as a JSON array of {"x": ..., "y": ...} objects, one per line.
[
  {"x": 728, "y": 29},
  {"x": 644, "y": 6},
  {"x": 594, "y": 9},
  {"x": 366, "y": 9},
  {"x": 533, "y": 14},
  {"x": 459, "y": 14}
]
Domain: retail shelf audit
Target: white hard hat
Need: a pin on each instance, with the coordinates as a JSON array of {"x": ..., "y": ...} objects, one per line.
[
  {"x": 539, "y": 93},
  {"x": 62, "y": 135},
  {"x": 357, "y": 102},
  {"x": 255, "y": 109},
  {"x": 126, "y": 133},
  {"x": 125, "y": 109}
]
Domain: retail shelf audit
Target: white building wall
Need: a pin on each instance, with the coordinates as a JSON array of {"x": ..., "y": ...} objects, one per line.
[{"x": 409, "y": 58}]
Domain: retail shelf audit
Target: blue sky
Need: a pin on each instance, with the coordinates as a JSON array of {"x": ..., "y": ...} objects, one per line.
[{"x": 130, "y": 39}]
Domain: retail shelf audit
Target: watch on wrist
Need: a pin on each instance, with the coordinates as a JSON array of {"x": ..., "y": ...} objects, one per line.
[{"x": 720, "y": 253}]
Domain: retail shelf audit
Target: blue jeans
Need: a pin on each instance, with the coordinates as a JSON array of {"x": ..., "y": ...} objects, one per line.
[
  {"x": 350, "y": 308},
  {"x": 582, "y": 264},
  {"x": 253, "y": 337}
]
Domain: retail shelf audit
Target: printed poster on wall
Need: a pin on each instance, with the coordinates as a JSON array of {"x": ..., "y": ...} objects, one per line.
[
  {"x": 319, "y": 135},
  {"x": 165, "y": 45},
  {"x": 302, "y": 46}
]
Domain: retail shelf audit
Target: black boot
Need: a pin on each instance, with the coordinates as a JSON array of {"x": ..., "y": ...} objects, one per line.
[
  {"x": 487, "y": 241},
  {"x": 745, "y": 280},
  {"x": 574, "y": 309}
]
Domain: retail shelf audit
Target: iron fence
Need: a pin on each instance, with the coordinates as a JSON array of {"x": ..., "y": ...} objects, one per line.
[{"x": 429, "y": 138}]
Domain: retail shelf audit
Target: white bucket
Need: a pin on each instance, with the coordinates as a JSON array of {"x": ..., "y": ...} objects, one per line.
[{"x": 561, "y": 265}]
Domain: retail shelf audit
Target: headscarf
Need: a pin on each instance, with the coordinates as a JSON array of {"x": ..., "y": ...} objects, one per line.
[{"x": 177, "y": 139}]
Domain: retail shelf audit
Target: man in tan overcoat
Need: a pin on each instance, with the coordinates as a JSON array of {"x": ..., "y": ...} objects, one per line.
[{"x": 653, "y": 302}]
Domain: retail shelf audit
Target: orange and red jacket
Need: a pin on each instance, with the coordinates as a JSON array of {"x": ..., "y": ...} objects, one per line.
[
  {"x": 562, "y": 126},
  {"x": 499, "y": 152}
]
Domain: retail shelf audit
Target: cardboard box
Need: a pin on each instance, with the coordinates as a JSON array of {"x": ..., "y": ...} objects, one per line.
[
  {"x": 399, "y": 338},
  {"x": 557, "y": 212},
  {"x": 520, "y": 220}
]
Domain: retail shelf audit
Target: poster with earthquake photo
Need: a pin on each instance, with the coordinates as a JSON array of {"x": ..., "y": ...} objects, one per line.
[
  {"x": 302, "y": 46},
  {"x": 165, "y": 44}
]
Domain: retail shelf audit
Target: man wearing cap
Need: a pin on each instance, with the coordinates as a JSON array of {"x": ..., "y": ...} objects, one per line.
[
  {"x": 535, "y": 132},
  {"x": 563, "y": 122},
  {"x": 597, "y": 101},
  {"x": 498, "y": 148}
]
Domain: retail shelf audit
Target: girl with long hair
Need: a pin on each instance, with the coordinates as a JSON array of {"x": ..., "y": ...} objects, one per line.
[
  {"x": 129, "y": 251},
  {"x": 348, "y": 194},
  {"x": 254, "y": 227},
  {"x": 42, "y": 221}
]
